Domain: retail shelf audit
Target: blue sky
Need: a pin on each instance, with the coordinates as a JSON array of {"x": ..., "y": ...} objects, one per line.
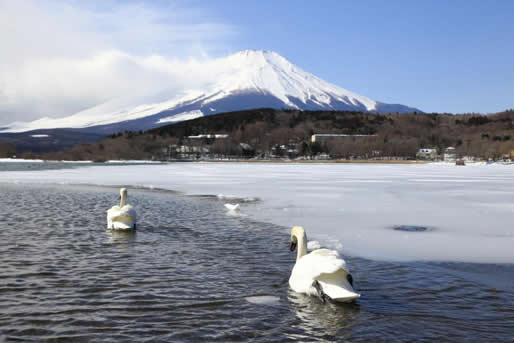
[
  {"x": 444, "y": 56},
  {"x": 60, "y": 57}
]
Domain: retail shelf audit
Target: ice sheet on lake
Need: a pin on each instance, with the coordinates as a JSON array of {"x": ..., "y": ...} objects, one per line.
[
  {"x": 469, "y": 209},
  {"x": 18, "y": 160},
  {"x": 313, "y": 245},
  {"x": 263, "y": 300}
]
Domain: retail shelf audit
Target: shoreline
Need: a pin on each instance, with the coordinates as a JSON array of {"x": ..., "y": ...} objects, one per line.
[
  {"x": 14, "y": 160},
  {"x": 274, "y": 161},
  {"x": 317, "y": 161}
]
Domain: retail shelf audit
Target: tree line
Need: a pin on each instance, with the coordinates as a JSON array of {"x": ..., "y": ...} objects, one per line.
[{"x": 390, "y": 135}]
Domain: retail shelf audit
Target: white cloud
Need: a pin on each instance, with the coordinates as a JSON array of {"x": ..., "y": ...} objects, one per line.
[{"x": 61, "y": 57}]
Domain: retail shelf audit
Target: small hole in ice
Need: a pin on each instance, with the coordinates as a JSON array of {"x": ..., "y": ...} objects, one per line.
[{"x": 410, "y": 228}]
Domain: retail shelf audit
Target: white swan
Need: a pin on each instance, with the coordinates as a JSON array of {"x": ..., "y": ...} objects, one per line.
[
  {"x": 322, "y": 272},
  {"x": 232, "y": 207},
  {"x": 121, "y": 217}
]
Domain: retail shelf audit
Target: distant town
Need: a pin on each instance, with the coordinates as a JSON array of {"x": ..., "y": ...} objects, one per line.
[{"x": 210, "y": 146}]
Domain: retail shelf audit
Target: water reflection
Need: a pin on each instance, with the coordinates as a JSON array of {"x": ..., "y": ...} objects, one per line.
[
  {"x": 121, "y": 236},
  {"x": 318, "y": 319}
]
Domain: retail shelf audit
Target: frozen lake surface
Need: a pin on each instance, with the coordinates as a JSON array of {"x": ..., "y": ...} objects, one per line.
[{"x": 464, "y": 213}]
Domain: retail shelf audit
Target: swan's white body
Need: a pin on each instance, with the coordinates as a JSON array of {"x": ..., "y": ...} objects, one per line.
[
  {"x": 232, "y": 207},
  {"x": 322, "y": 265},
  {"x": 122, "y": 217}
]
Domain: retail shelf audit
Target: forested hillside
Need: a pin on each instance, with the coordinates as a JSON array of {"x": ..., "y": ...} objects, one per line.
[{"x": 263, "y": 130}]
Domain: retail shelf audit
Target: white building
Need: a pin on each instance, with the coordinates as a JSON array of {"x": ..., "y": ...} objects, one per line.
[
  {"x": 450, "y": 154},
  {"x": 216, "y": 136},
  {"x": 325, "y": 137}
]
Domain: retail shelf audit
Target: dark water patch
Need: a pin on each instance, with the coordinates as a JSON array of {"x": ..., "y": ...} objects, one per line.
[
  {"x": 226, "y": 198},
  {"x": 55, "y": 165},
  {"x": 149, "y": 188},
  {"x": 204, "y": 196},
  {"x": 412, "y": 228},
  {"x": 187, "y": 272}
]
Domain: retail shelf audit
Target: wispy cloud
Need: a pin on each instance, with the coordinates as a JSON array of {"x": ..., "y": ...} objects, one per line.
[{"x": 61, "y": 57}]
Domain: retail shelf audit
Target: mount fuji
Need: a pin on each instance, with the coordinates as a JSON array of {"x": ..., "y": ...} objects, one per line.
[{"x": 245, "y": 80}]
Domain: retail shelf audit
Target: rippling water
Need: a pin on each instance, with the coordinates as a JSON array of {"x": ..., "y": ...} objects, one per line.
[
  {"x": 49, "y": 165},
  {"x": 194, "y": 273}
]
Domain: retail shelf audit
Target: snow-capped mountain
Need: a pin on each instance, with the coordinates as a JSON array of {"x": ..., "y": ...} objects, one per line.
[{"x": 245, "y": 80}]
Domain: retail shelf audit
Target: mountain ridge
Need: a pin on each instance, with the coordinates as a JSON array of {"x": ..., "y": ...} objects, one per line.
[{"x": 244, "y": 80}]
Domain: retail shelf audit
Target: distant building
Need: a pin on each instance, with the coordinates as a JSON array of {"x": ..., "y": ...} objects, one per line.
[
  {"x": 210, "y": 136},
  {"x": 195, "y": 146},
  {"x": 450, "y": 154},
  {"x": 322, "y": 156},
  {"x": 284, "y": 150},
  {"x": 323, "y": 138},
  {"x": 426, "y": 154},
  {"x": 189, "y": 149}
]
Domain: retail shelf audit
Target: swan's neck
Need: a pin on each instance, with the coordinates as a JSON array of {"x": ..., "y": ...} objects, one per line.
[
  {"x": 123, "y": 200},
  {"x": 301, "y": 246}
]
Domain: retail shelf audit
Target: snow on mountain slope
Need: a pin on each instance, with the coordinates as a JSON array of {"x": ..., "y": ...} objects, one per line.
[
  {"x": 247, "y": 79},
  {"x": 181, "y": 117},
  {"x": 117, "y": 110},
  {"x": 269, "y": 72}
]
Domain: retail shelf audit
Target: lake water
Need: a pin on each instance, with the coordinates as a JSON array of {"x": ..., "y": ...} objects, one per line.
[{"x": 193, "y": 273}]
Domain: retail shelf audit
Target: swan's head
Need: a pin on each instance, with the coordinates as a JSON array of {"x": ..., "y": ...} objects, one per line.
[
  {"x": 297, "y": 233},
  {"x": 123, "y": 197}
]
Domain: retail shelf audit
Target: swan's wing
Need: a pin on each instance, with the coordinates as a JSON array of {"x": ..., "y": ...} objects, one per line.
[
  {"x": 325, "y": 261},
  {"x": 128, "y": 210},
  {"x": 333, "y": 276},
  {"x": 326, "y": 253},
  {"x": 321, "y": 261},
  {"x": 313, "y": 266},
  {"x": 113, "y": 212}
]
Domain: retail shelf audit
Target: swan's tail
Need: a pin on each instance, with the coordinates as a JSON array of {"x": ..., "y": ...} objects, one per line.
[
  {"x": 123, "y": 221},
  {"x": 337, "y": 286}
]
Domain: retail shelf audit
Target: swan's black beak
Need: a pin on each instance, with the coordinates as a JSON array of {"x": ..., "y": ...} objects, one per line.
[
  {"x": 292, "y": 246},
  {"x": 119, "y": 197}
]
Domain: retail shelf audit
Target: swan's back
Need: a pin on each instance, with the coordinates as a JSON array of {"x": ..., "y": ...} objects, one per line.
[
  {"x": 324, "y": 261},
  {"x": 114, "y": 208},
  {"x": 309, "y": 267},
  {"x": 129, "y": 209},
  {"x": 326, "y": 267},
  {"x": 121, "y": 217}
]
